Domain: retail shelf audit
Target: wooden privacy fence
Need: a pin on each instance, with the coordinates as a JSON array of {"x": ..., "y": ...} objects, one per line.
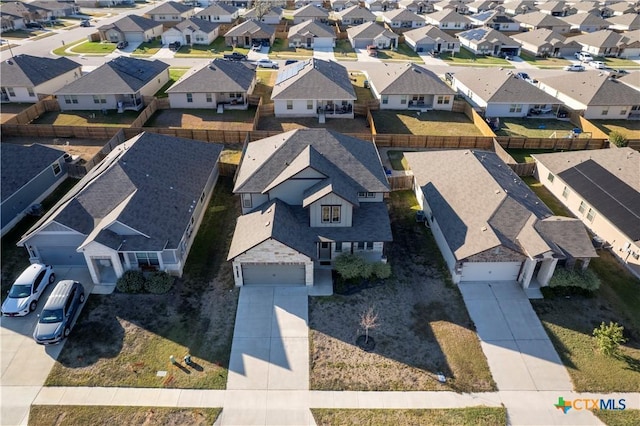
[
  {"x": 78, "y": 170},
  {"x": 146, "y": 113},
  {"x": 568, "y": 144},
  {"x": 400, "y": 182},
  {"x": 34, "y": 111},
  {"x": 51, "y": 131},
  {"x": 429, "y": 141}
]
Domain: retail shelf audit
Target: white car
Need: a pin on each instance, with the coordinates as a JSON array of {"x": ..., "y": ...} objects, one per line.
[
  {"x": 574, "y": 67},
  {"x": 584, "y": 56},
  {"x": 267, "y": 63},
  {"x": 597, "y": 64},
  {"x": 26, "y": 290}
]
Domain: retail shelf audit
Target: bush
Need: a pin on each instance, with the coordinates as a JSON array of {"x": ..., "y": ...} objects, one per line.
[
  {"x": 351, "y": 266},
  {"x": 381, "y": 270},
  {"x": 609, "y": 337},
  {"x": 159, "y": 282},
  {"x": 585, "y": 280},
  {"x": 618, "y": 139},
  {"x": 130, "y": 282}
]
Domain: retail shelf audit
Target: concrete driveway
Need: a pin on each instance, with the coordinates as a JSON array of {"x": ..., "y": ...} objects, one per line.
[
  {"x": 324, "y": 53},
  {"x": 363, "y": 56},
  {"x": 25, "y": 364}
]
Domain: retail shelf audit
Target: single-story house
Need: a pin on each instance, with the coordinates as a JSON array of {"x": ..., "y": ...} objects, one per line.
[
  {"x": 355, "y": 15},
  {"x": 493, "y": 227},
  {"x": 310, "y": 12},
  {"x": 623, "y": 8},
  {"x": 133, "y": 211},
  {"x": 602, "y": 189},
  {"x": 409, "y": 86},
  {"x": 545, "y": 42},
  {"x": 448, "y": 19},
  {"x": 586, "y": 22},
  {"x": 480, "y": 6},
  {"x": 57, "y": 9},
  {"x": 431, "y": 39},
  {"x": 311, "y": 34},
  {"x": 380, "y": 5},
  {"x": 338, "y": 5},
  {"x": 499, "y": 93},
  {"x": 29, "y": 174},
  {"x": 518, "y": 7},
  {"x": 402, "y": 18},
  {"x": 219, "y": 13},
  {"x": 171, "y": 12},
  {"x": 220, "y": 83},
  {"x": 628, "y": 22},
  {"x": 250, "y": 32},
  {"x": 191, "y": 31},
  {"x": 593, "y": 93},
  {"x": 487, "y": 41},
  {"x": 307, "y": 196},
  {"x": 555, "y": 8},
  {"x": 131, "y": 28},
  {"x": 272, "y": 16},
  {"x": 371, "y": 33},
  {"x": 537, "y": 20},
  {"x": 594, "y": 7},
  {"x": 417, "y": 6},
  {"x": 119, "y": 84},
  {"x": 103, "y": 3},
  {"x": 26, "y": 78},
  {"x": 15, "y": 15},
  {"x": 610, "y": 43},
  {"x": 313, "y": 88},
  {"x": 459, "y": 6},
  {"x": 496, "y": 20}
]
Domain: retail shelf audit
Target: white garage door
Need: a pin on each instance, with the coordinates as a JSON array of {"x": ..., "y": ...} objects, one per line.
[
  {"x": 323, "y": 42},
  {"x": 134, "y": 36},
  {"x": 171, "y": 38},
  {"x": 61, "y": 255},
  {"x": 490, "y": 271},
  {"x": 273, "y": 274}
]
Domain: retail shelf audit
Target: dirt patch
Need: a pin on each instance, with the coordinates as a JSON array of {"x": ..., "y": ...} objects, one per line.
[
  {"x": 203, "y": 119},
  {"x": 10, "y": 110},
  {"x": 344, "y": 125},
  {"x": 424, "y": 328},
  {"x": 85, "y": 148}
]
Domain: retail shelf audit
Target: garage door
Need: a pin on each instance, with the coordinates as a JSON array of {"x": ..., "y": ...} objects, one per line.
[
  {"x": 362, "y": 44},
  {"x": 490, "y": 271},
  {"x": 61, "y": 255},
  {"x": 132, "y": 37},
  {"x": 323, "y": 42},
  {"x": 273, "y": 274},
  {"x": 172, "y": 38}
]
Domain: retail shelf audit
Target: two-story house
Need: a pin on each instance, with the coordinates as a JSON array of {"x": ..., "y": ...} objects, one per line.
[{"x": 307, "y": 196}]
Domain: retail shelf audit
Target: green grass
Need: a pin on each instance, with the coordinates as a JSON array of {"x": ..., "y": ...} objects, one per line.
[
  {"x": 343, "y": 50},
  {"x": 148, "y": 48},
  {"x": 214, "y": 50},
  {"x": 94, "y": 48},
  {"x": 466, "y": 57},
  {"x": 60, "y": 51},
  {"x": 18, "y": 34},
  {"x": 524, "y": 155},
  {"x": 618, "y": 62},
  {"x": 87, "y": 118},
  {"x": 281, "y": 50},
  {"x": 174, "y": 75},
  {"x": 619, "y": 417},
  {"x": 118, "y": 415},
  {"x": 264, "y": 85},
  {"x": 362, "y": 93},
  {"x": 544, "y": 62},
  {"x": 547, "y": 197},
  {"x": 478, "y": 416},
  {"x": 398, "y": 162},
  {"x": 629, "y": 128},
  {"x": 403, "y": 53},
  {"x": 535, "y": 127},
  {"x": 437, "y": 123}
]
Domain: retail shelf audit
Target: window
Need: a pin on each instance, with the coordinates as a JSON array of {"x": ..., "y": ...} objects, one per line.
[
  {"x": 443, "y": 100},
  {"x": 309, "y": 104},
  {"x": 202, "y": 197},
  {"x": 338, "y": 246},
  {"x": 550, "y": 177},
  {"x": 330, "y": 214},
  {"x": 403, "y": 100},
  {"x": 605, "y": 111},
  {"x": 147, "y": 259},
  {"x": 31, "y": 93},
  {"x": 385, "y": 99},
  {"x": 361, "y": 245},
  {"x": 11, "y": 92},
  {"x": 565, "y": 193},
  {"x": 515, "y": 108},
  {"x": 582, "y": 207},
  {"x": 368, "y": 245},
  {"x": 591, "y": 214},
  {"x": 246, "y": 201},
  {"x": 56, "y": 169},
  {"x": 289, "y": 104},
  {"x": 623, "y": 111},
  {"x": 189, "y": 97},
  {"x": 70, "y": 99},
  {"x": 366, "y": 195},
  {"x": 99, "y": 99},
  {"x": 209, "y": 98}
]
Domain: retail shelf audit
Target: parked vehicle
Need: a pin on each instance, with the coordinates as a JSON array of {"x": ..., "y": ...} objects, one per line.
[
  {"x": 524, "y": 76},
  {"x": 59, "y": 313},
  {"x": 372, "y": 50},
  {"x": 290, "y": 61},
  {"x": 584, "y": 56},
  {"x": 122, "y": 44},
  {"x": 256, "y": 47},
  {"x": 26, "y": 290},
  {"x": 34, "y": 25},
  {"x": 597, "y": 64},
  {"x": 85, "y": 23},
  {"x": 267, "y": 63},
  {"x": 175, "y": 46},
  {"x": 574, "y": 67},
  {"x": 235, "y": 56}
]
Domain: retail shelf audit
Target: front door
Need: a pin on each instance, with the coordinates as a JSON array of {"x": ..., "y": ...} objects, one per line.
[
  {"x": 325, "y": 251},
  {"x": 308, "y": 42},
  {"x": 188, "y": 38},
  {"x": 247, "y": 41}
]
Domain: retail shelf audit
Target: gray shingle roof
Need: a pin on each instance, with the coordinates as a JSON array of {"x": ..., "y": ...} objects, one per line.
[
  {"x": 406, "y": 79},
  {"x": 218, "y": 9},
  {"x": 402, "y": 15},
  {"x": 585, "y": 19},
  {"x": 593, "y": 88},
  {"x": 218, "y": 76},
  {"x": 312, "y": 28},
  {"x": 632, "y": 20},
  {"x": 149, "y": 183},
  {"x": 251, "y": 27},
  {"x": 447, "y": 15},
  {"x": 568, "y": 234},
  {"x": 602, "y": 38},
  {"x": 131, "y": 23},
  {"x": 539, "y": 19},
  {"x": 429, "y": 32},
  {"x": 272, "y": 12},
  {"x": 120, "y": 75},
  {"x": 487, "y": 35},
  {"x": 169, "y": 8},
  {"x": 313, "y": 79},
  {"x": 355, "y": 12},
  {"x": 541, "y": 36},
  {"x": 197, "y": 24},
  {"x": 21, "y": 163},
  {"x": 31, "y": 71},
  {"x": 310, "y": 11},
  {"x": 18, "y": 9},
  {"x": 370, "y": 30}
]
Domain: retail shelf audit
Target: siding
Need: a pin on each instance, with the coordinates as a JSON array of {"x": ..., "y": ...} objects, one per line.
[
  {"x": 346, "y": 211},
  {"x": 179, "y": 100},
  {"x": 291, "y": 191}
]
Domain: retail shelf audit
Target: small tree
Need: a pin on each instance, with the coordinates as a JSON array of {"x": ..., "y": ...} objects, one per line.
[
  {"x": 368, "y": 321},
  {"x": 618, "y": 139},
  {"x": 609, "y": 337}
]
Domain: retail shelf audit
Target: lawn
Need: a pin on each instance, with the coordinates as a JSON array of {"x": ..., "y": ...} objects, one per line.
[
  {"x": 214, "y": 50},
  {"x": 619, "y": 417},
  {"x": 343, "y": 125},
  {"x": 94, "y": 47},
  {"x": 125, "y": 339},
  {"x": 403, "y": 53},
  {"x": 431, "y": 333},
  {"x": 97, "y": 415},
  {"x": 362, "y": 93},
  {"x": 203, "y": 119},
  {"x": 547, "y": 197},
  {"x": 344, "y": 51},
  {"x": 264, "y": 85},
  {"x": 478, "y": 416},
  {"x": 282, "y": 51},
  {"x": 148, "y": 48},
  {"x": 618, "y": 62},
  {"x": 466, "y": 57},
  {"x": 18, "y": 34},
  {"x": 437, "y": 123},
  {"x": 87, "y": 118},
  {"x": 524, "y": 155},
  {"x": 629, "y": 128},
  {"x": 544, "y": 63},
  {"x": 174, "y": 75},
  {"x": 535, "y": 127},
  {"x": 398, "y": 162}
]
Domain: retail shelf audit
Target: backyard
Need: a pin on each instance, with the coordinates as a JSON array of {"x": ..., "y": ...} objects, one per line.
[
  {"x": 362, "y": 93},
  {"x": 343, "y": 125},
  {"x": 203, "y": 119},
  {"x": 88, "y": 118},
  {"x": 126, "y": 339},
  {"x": 432, "y": 334},
  {"x": 11, "y": 109},
  {"x": 536, "y": 128},
  {"x": 436, "y": 123},
  {"x": 629, "y": 128}
]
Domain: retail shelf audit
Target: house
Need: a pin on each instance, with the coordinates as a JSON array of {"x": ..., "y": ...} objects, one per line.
[
  {"x": 171, "y": 12},
  {"x": 610, "y": 43},
  {"x": 458, "y": 6},
  {"x": 496, "y": 20},
  {"x": 517, "y": 7},
  {"x": 409, "y": 86},
  {"x": 447, "y": 20},
  {"x": 250, "y": 32},
  {"x": 545, "y": 43},
  {"x": 310, "y": 12},
  {"x": 602, "y": 189},
  {"x": 402, "y": 18},
  {"x": 592, "y": 7},
  {"x": 219, "y": 83},
  {"x": 192, "y": 31},
  {"x": 417, "y": 6},
  {"x": 102, "y": 3},
  {"x": 594, "y": 94},
  {"x": 131, "y": 28},
  {"x": 555, "y": 8},
  {"x": 487, "y": 41},
  {"x": 132, "y": 211},
  {"x": 338, "y": 5},
  {"x": 623, "y": 8},
  {"x": 380, "y": 5},
  {"x": 499, "y": 93},
  {"x": 538, "y": 20},
  {"x": 219, "y": 13},
  {"x": 57, "y": 9},
  {"x": 371, "y": 33},
  {"x": 119, "y": 84},
  {"x": 272, "y": 16},
  {"x": 493, "y": 227},
  {"x": 26, "y": 78},
  {"x": 29, "y": 174},
  {"x": 15, "y": 15},
  {"x": 431, "y": 39},
  {"x": 313, "y": 88},
  {"x": 355, "y": 15},
  {"x": 311, "y": 34},
  {"x": 307, "y": 196},
  {"x": 586, "y": 22},
  {"x": 628, "y": 22},
  {"x": 480, "y": 6}
]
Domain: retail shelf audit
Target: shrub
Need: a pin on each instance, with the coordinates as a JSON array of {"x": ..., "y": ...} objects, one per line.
[
  {"x": 585, "y": 280},
  {"x": 159, "y": 282},
  {"x": 609, "y": 337},
  {"x": 618, "y": 139},
  {"x": 381, "y": 270},
  {"x": 351, "y": 266},
  {"x": 130, "y": 282}
]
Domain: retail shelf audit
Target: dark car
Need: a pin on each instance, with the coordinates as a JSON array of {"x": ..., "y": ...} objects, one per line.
[
  {"x": 175, "y": 46},
  {"x": 36, "y": 25},
  {"x": 85, "y": 23},
  {"x": 122, "y": 44},
  {"x": 235, "y": 56},
  {"x": 290, "y": 61},
  {"x": 59, "y": 313}
]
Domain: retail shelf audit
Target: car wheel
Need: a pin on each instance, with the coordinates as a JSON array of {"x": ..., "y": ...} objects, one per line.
[
  {"x": 33, "y": 305},
  {"x": 82, "y": 298},
  {"x": 67, "y": 330},
  {"x": 52, "y": 278},
  {"x": 274, "y": 67}
]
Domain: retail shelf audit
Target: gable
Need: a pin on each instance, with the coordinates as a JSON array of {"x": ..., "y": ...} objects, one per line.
[{"x": 55, "y": 227}]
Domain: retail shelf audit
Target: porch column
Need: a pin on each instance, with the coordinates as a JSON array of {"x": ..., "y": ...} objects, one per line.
[
  {"x": 546, "y": 271},
  {"x": 527, "y": 272}
]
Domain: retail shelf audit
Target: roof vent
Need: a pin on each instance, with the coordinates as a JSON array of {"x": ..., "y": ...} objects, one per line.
[
  {"x": 267, "y": 223},
  {"x": 497, "y": 191},
  {"x": 484, "y": 228}
]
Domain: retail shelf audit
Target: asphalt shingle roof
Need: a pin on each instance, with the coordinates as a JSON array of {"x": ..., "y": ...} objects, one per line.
[
  {"x": 313, "y": 79},
  {"x": 131, "y": 23},
  {"x": 370, "y": 30},
  {"x": 406, "y": 79},
  {"x": 539, "y": 19},
  {"x": 31, "y": 71},
  {"x": 21, "y": 163},
  {"x": 313, "y": 28},
  {"x": 169, "y": 8},
  {"x": 593, "y": 88},
  {"x": 487, "y": 35},
  {"x": 218, "y": 9},
  {"x": 429, "y": 32},
  {"x": 251, "y": 27},
  {"x": 310, "y": 11},
  {"x": 218, "y": 76},
  {"x": 197, "y": 24},
  {"x": 355, "y": 12}
]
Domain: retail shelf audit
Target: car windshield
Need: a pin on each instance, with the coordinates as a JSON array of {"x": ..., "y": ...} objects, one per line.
[
  {"x": 19, "y": 291},
  {"x": 49, "y": 316}
]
